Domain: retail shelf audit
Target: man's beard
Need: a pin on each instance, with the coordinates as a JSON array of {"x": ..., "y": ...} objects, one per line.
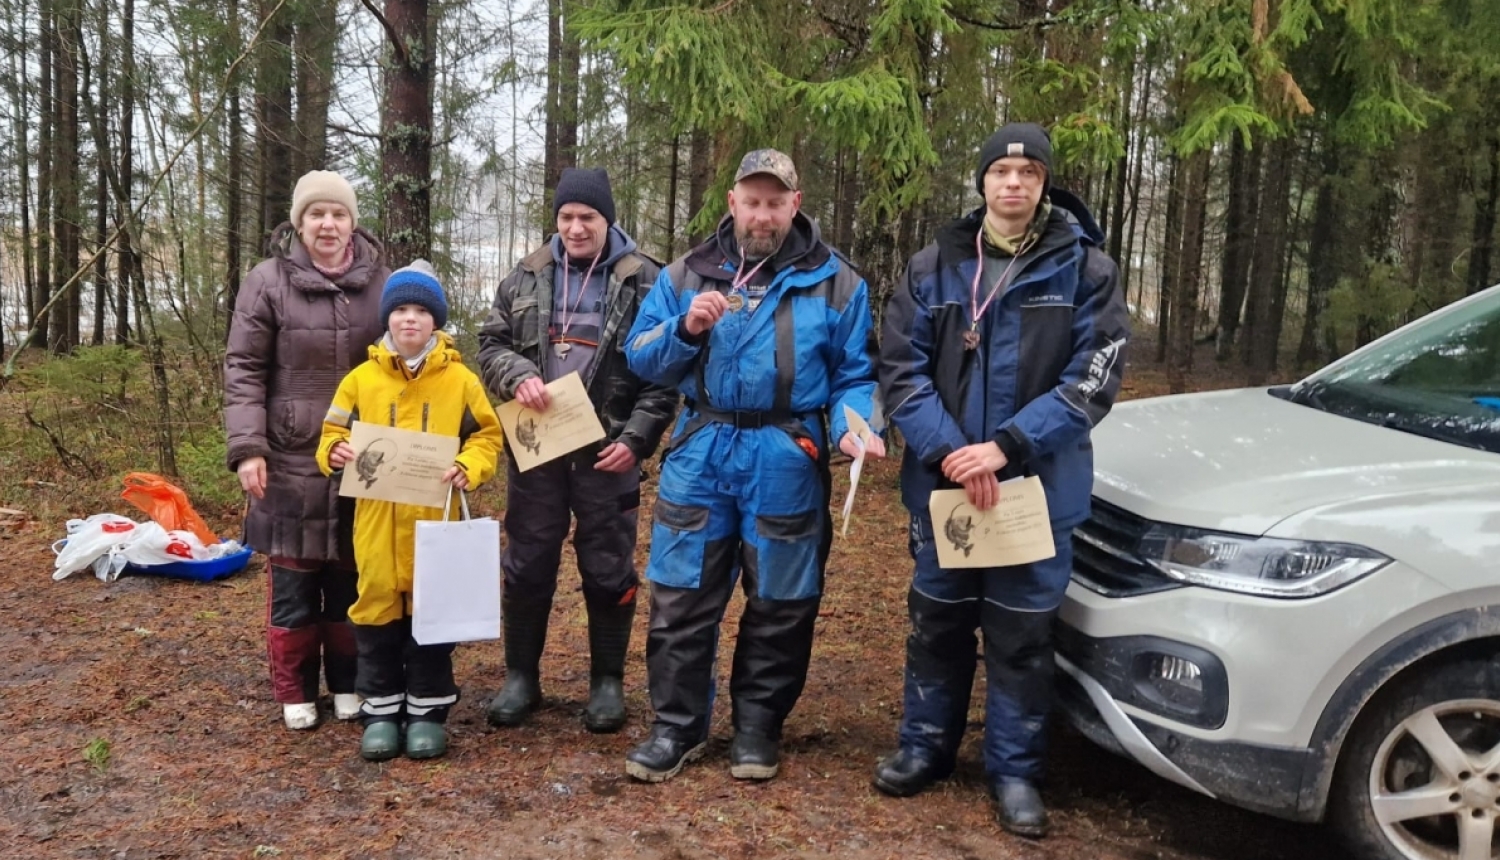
[{"x": 757, "y": 247}]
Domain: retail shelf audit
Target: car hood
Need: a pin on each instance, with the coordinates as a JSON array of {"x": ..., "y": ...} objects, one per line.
[{"x": 1244, "y": 460}]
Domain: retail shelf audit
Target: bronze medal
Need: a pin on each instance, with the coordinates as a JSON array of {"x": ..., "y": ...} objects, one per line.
[
  {"x": 736, "y": 302},
  {"x": 971, "y": 339}
]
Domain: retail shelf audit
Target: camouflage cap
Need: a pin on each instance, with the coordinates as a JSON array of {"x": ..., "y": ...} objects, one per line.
[{"x": 770, "y": 162}]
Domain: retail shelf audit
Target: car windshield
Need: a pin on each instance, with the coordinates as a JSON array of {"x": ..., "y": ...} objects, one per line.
[{"x": 1438, "y": 377}]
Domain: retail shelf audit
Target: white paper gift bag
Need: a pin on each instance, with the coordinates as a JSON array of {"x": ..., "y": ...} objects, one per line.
[{"x": 456, "y": 590}]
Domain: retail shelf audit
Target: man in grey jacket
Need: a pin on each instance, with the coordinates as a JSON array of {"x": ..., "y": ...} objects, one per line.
[{"x": 565, "y": 308}]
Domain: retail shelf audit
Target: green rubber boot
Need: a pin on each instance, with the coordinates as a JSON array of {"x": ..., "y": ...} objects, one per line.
[
  {"x": 425, "y": 739},
  {"x": 381, "y": 741}
]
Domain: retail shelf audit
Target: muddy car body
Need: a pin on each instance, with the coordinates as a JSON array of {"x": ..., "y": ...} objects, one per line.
[{"x": 1289, "y": 598}]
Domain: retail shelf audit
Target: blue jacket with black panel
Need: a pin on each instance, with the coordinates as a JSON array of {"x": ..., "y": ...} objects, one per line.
[{"x": 765, "y": 391}]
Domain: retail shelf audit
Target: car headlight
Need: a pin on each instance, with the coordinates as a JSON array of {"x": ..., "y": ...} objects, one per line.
[{"x": 1271, "y": 567}]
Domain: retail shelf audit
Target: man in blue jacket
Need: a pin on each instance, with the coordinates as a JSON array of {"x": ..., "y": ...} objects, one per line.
[
  {"x": 999, "y": 353},
  {"x": 763, "y": 328}
]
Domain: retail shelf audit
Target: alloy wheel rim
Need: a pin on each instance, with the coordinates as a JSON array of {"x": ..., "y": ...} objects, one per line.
[{"x": 1435, "y": 782}]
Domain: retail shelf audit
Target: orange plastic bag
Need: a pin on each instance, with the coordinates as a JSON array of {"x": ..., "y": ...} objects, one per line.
[{"x": 167, "y": 504}]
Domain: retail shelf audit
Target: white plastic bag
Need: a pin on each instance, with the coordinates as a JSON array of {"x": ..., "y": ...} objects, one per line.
[
  {"x": 95, "y": 542},
  {"x": 152, "y": 544},
  {"x": 108, "y": 542}
]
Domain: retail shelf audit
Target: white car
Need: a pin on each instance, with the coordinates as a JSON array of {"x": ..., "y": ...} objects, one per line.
[{"x": 1289, "y": 598}]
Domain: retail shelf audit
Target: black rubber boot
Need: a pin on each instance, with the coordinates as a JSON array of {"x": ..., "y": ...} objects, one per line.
[
  {"x": 661, "y": 756},
  {"x": 754, "y": 756},
  {"x": 609, "y": 641},
  {"x": 905, "y": 773},
  {"x": 525, "y": 638},
  {"x": 1019, "y": 808}
]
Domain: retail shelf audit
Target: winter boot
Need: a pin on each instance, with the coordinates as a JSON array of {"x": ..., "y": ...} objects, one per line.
[
  {"x": 300, "y": 716},
  {"x": 661, "y": 756},
  {"x": 425, "y": 739},
  {"x": 346, "y": 706},
  {"x": 609, "y": 640},
  {"x": 381, "y": 740},
  {"x": 754, "y": 756},
  {"x": 525, "y": 639},
  {"x": 1019, "y": 808}
]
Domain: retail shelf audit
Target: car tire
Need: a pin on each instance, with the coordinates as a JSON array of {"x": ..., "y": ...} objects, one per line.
[{"x": 1419, "y": 776}]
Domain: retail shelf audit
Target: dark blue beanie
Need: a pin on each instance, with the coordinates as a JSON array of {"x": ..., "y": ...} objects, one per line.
[{"x": 416, "y": 284}]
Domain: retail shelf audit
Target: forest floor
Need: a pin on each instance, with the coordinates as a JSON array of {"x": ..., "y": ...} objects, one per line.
[{"x": 140, "y": 725}]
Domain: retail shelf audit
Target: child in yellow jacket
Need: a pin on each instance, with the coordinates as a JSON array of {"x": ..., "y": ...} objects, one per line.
[{"x": 414, "y": 380}]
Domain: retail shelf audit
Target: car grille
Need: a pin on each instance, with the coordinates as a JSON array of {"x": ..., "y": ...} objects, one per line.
[{"x": 1105, "y": 554}]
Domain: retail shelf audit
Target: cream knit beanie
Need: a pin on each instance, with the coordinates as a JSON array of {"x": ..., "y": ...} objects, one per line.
[{"x": 322, "y": 186}]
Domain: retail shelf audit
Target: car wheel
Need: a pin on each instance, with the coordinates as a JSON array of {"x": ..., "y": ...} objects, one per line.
[{"x": 1419, "y": 778}]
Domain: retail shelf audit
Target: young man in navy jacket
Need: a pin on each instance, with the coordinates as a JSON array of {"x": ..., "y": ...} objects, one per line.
[{"x": 1000, "y": 351}]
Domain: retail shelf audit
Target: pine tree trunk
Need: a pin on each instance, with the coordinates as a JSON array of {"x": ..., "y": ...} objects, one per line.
[
  {"x": 550, "y": 167},
  {"x": 562, "y": 105},
  {"x": 1484, "y": 217},
  {"x": 45, "y": 211},
  {"x": 315, "y": 40},
  {"x": 1239, "y": 239},
  {"x": 234, "y": 182},
  {"x": 672, "y": 171},
  {"x": 20, "y": 94},
  {"x": 847, "y": 204},
  {"x": 126, "y": 262},
  {"x": 1259, "y": 343},
  {"x": 96, "y": 78},
  {"x": 1189, "y": 281},
  {"x": 406, "y": 135},
  {"x": 273, "y": 121},
  {"x": 1171, "y": 265},
  {"x": 1127, "y": 265},
  {"x": 700, "y": 177},
  {"x": 1122, "y": 171},
  {"x": 101, "y": 264},
  {"x": 62, "y": 329},
  {"x": 1325, "y": 254}
]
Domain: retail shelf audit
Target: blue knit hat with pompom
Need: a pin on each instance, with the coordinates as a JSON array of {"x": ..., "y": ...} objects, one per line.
[{"x": 416, "y": 284}]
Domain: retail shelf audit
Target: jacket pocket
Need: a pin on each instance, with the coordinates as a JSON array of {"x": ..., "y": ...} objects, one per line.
[
  {"x": 527, "y": 329},
  {"x": 282, "y": 430},
  {"x": 679, "y": 542},
  {"x": 786, "y": 550}
]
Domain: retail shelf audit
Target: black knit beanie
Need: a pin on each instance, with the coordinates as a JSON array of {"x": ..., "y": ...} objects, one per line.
[
  {"x": 586, "y": 186},
  {"x": 1025, "y": 139}
]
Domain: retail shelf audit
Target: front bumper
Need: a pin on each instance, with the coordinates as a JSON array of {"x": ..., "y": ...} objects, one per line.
[{"x": 1262, "y": 778}]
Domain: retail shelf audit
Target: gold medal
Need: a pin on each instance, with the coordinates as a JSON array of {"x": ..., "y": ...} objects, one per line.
[{"x": 736, "y": 302}]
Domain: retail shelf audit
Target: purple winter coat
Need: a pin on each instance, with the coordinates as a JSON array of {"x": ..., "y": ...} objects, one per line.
[{"x": 293, "y": 338}]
